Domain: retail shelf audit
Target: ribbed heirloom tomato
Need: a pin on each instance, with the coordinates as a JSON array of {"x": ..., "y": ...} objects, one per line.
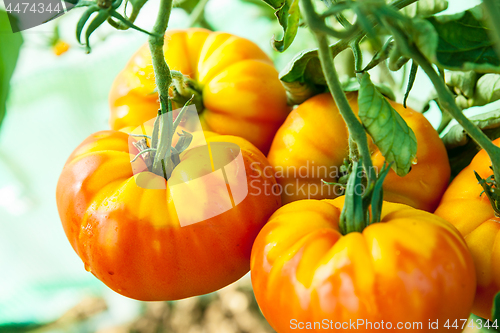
[
  {"x": 411, "y": 268},
  {"x": 130, "y": 236},
  {"x": 313, "y": 142},
  {"x": 241, "y": 93},
  {"x": 472, "y": 214}
]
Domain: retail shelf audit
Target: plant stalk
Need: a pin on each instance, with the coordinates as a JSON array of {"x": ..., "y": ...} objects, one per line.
[
  {"x": 447, "y": 101},
  {"x": 356, "y": 129},
  {"x": 163, "y": 79},
  {"x": 196, "y": 15}
]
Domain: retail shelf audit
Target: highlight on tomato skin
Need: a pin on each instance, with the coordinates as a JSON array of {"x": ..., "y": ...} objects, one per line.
[
  {"x": 237, "y": 87},
  {"x": 305, "y": 153},
  {"x": 129, "y": 235},
  {"x": 466, "y": 207},
  {"x": 411, "y": 267}
]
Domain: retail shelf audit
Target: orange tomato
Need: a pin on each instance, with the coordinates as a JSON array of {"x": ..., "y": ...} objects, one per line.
[
  {"x": 411, "y": 268},
  {"x": 472, "y": 214},
  {"x": 313, "y": 142},
  {"x": 241, "y": 92},
  {"x": 127, "y": 229}
]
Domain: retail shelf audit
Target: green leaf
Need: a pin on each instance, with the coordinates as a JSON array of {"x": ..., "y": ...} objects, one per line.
[
  {"x": 411, "y": 81},
  {"x": 487, "y": 89},
  {"x": 495, "y": 311},
  {"x": 463, "y": 42},
  {"x": 353, "y": 85},
  {"x": 9, "y": 51},
  {"x": 425, "y": 8},
  {"x": 303, "y": 77},
  {"x": 389, "y": 131},
  {"x": 288, "y": 14},
  {"x": 456, "y": 136},
  {"x": 424, "y": 36}
]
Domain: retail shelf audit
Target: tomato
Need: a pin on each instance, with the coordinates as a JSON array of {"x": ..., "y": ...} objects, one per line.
[
  {"x": 412, "y": 267},
  {"x": 472, "y": 214},
  {"x": 313, "y": 142},
  {"x": 130, "y": 236},
  {"x": 241, "y": 92}
]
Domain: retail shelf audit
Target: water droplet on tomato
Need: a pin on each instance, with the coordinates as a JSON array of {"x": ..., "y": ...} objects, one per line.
[
  {"x": 87, "y": 267},
  {"x": 415, "y": 161}
]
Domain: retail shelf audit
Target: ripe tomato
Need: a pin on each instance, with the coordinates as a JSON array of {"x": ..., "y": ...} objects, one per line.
[
  {"x": 412, "y": 267},
  {"x": 131, "y": 237},
  {"x": 313, "y": 142},
  {"x": 471, "y": 213},
  {"x": 241, "y": 92}
]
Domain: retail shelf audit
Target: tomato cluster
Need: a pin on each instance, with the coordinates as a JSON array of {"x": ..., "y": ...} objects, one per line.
[{"x": 128, "y": 227}]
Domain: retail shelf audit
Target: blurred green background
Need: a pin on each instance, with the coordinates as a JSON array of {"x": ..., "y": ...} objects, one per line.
[{"x": 54, "y": 103}]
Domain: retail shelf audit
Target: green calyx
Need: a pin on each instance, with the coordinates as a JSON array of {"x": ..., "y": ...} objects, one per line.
[
  {"x": 186, "y": 89},
  {"x": 160, "y": 155},
  {"x": 363, "y": 200},
  {"x": 490, "y": 189}
]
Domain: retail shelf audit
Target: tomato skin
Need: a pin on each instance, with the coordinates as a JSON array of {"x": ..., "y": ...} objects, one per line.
[
  {"x": 242, "y": 93},
  {"x": 130, "y": 238},
  {"x": 411, "y": 267},
  {"x": 313, "y": 141},
  {"x": 471, "y": 213}
]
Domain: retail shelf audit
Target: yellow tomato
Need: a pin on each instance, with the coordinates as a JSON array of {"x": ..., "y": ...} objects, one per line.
[
  {"x": 412, "y": 268},
  {"x": 472, "y": 214},
  {"x": 241, "y": 92},
  {"x": 313, "y": 142},
  {"x": 125, "y": 222}
]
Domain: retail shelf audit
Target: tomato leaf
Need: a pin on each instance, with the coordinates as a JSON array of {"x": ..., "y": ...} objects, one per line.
[
  {"x": 389, "y": 131},
  {"x": 456, "y": 136},
  {"x": 425, "y": 8},
  {"x": 353, "y": 85},
  {"x": 288, "y": 14},
  {"x": 411, "y": 81},
  {"x": 9, "y": 51},
  {"x": 495, "y": 311},
  {"x": 303, "y": 77},
  {"x": 463, "y": 42},
  {"x": 487, "y": 89}
]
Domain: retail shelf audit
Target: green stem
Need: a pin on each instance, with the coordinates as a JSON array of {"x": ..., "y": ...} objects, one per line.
[
  {"x": 359, "y": 34},
  {"x": 356, "y": 129},
  {"x": 197, "y": 14},
  {"x": 353, "y": 149},
  {"x": 163, "y": 79},
  {"x": 358, "y": 55},
  {"x": 493, "y": 13},
  {"x": 447, "y": 101}
]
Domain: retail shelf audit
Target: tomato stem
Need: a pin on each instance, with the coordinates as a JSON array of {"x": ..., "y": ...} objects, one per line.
[
  {"x": 362, "y": 208},
  {"x": 163, "y": 77},
  {"x": 356, "y": 129},
  {"x": 447, "y": 101},
  {"x": 196, "y": 15}
]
